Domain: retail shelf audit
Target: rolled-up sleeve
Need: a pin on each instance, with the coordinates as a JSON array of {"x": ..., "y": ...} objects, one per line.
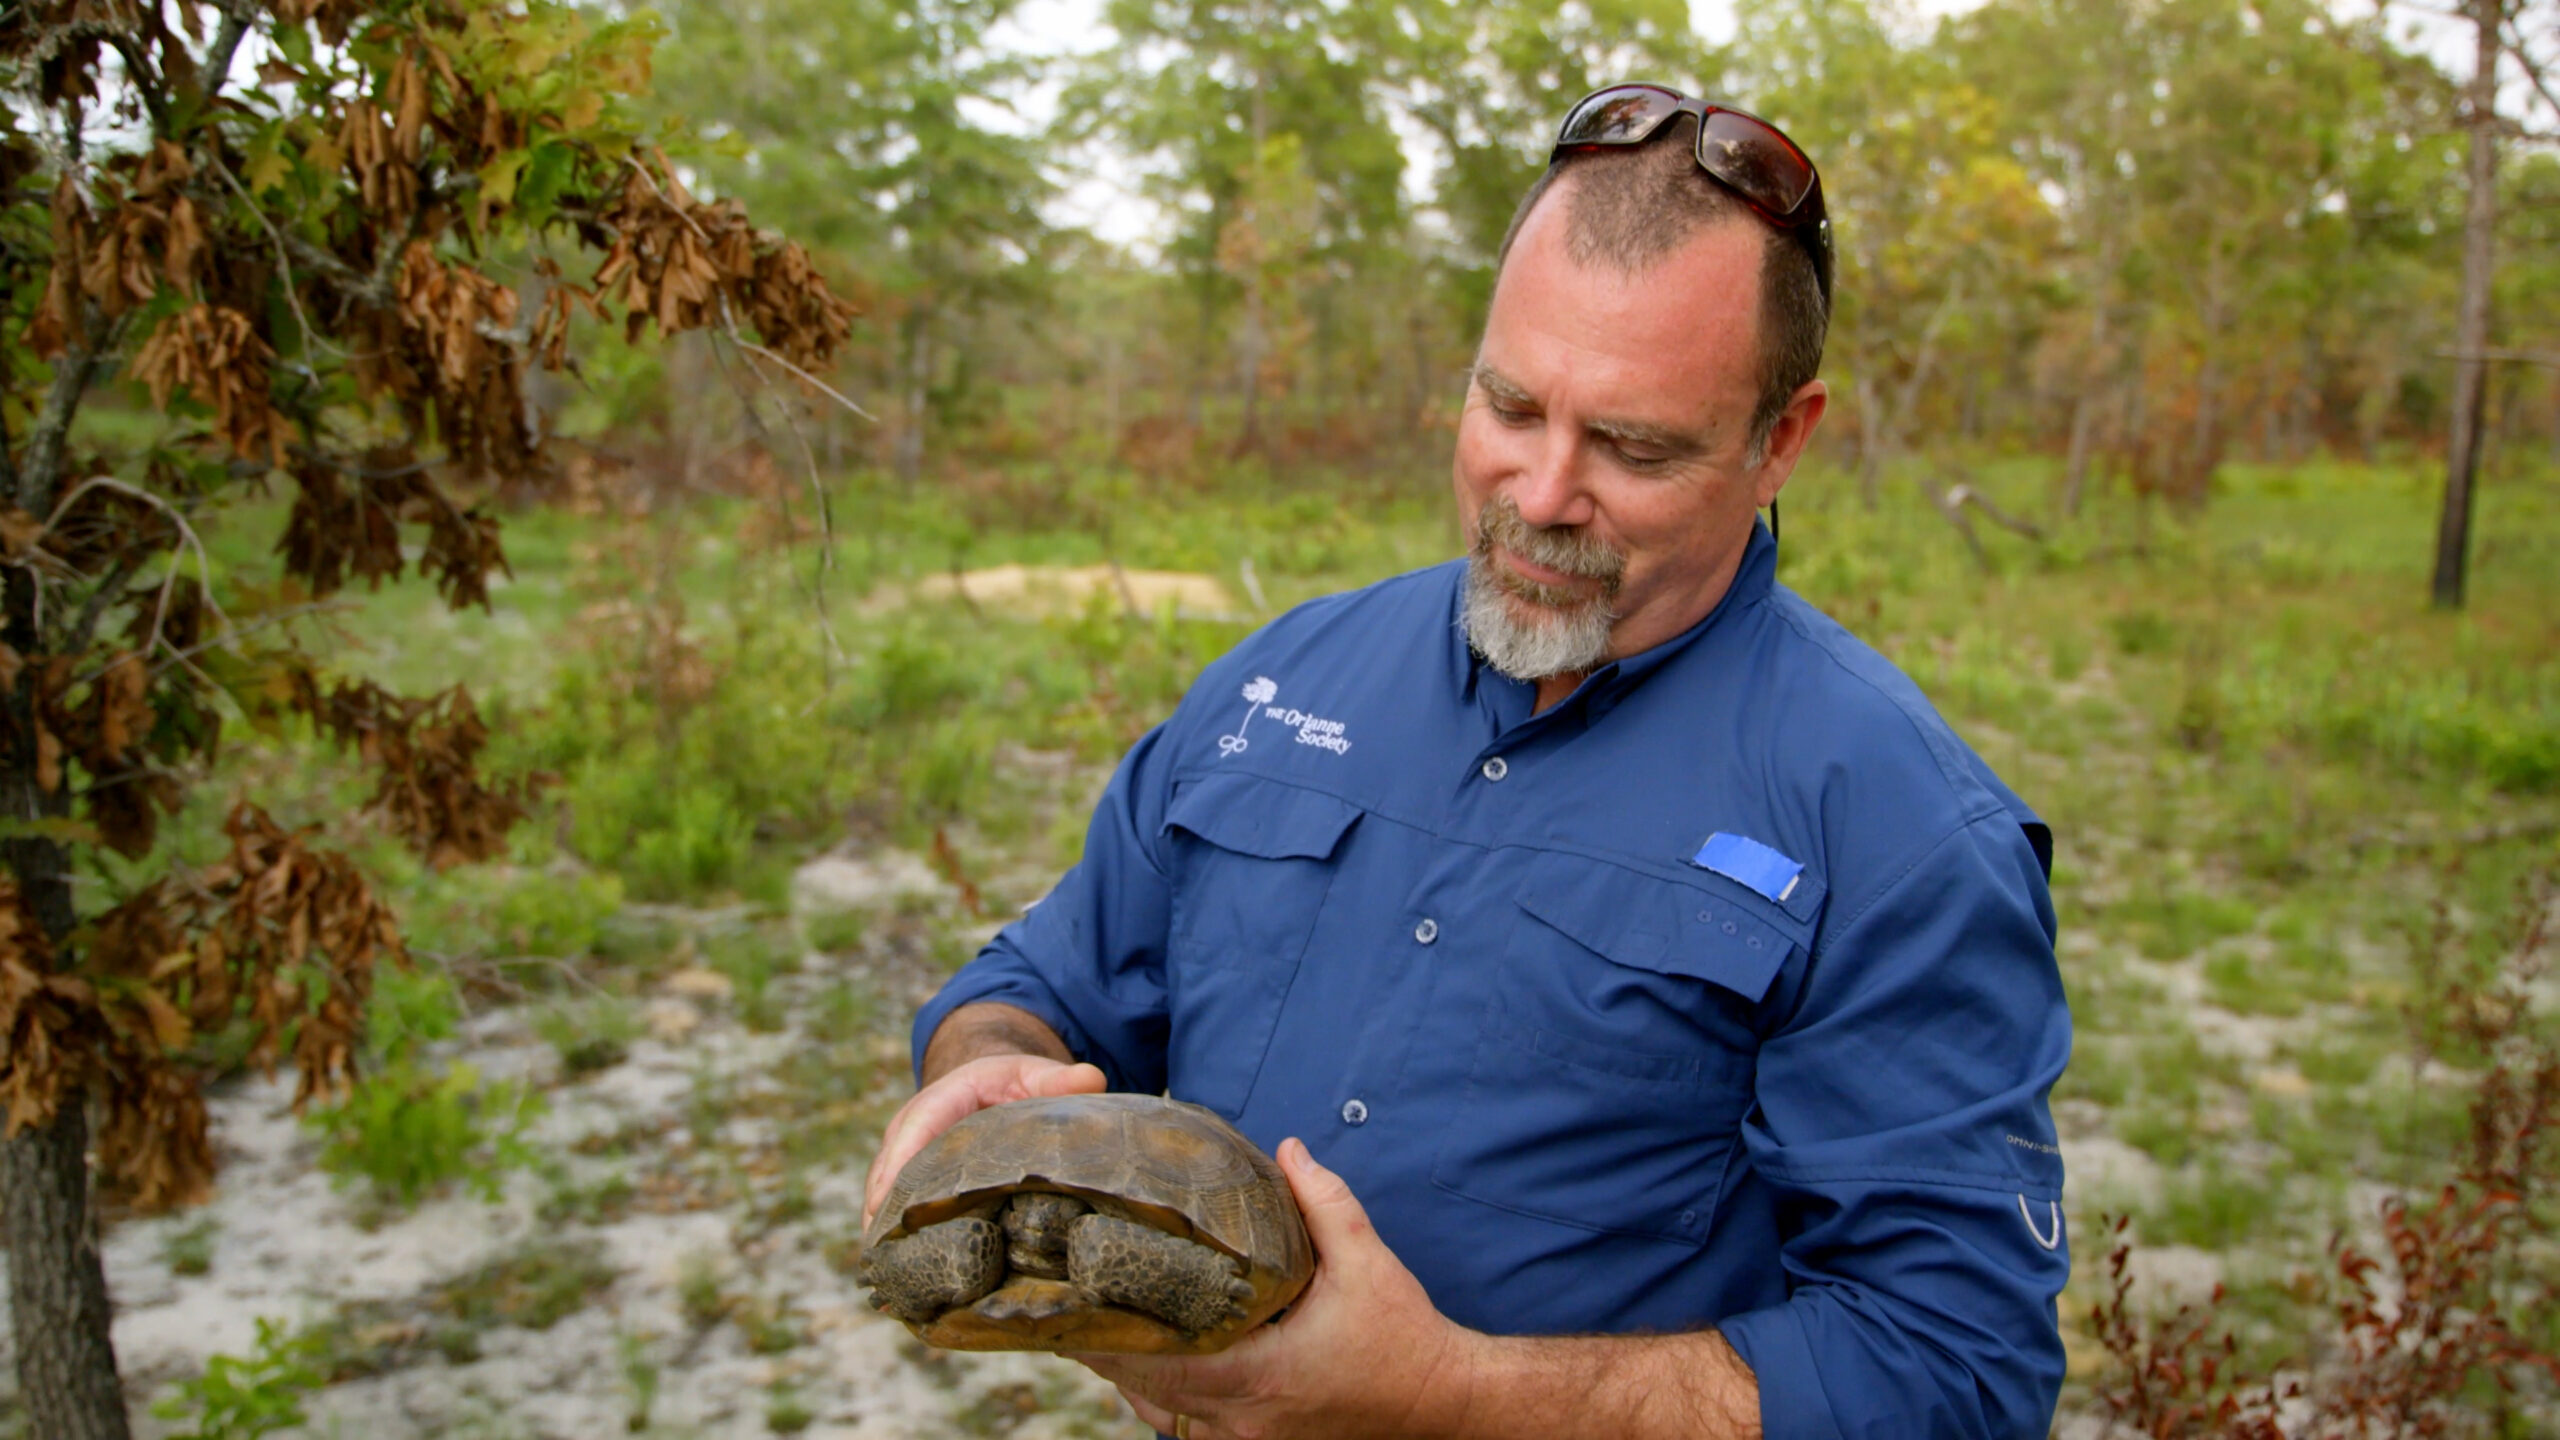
[
  {"x": 1901, "y": 1116},
  {"x": 1089, "y": 958}
]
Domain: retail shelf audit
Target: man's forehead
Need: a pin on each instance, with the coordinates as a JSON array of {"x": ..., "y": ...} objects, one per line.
[{"x": 1688, "y": 324}]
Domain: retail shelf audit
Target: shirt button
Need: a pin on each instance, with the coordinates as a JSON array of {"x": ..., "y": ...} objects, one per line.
[
  {"x": 1496, "y": 768},
  {"x": 1427, "y": 931},
  {"x": 1355, "y": 1112},
  {"x": 1688, "y": 1219}
]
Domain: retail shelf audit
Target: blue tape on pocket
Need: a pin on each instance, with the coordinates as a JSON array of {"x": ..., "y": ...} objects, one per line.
[{"x": 1749, "y": 862}]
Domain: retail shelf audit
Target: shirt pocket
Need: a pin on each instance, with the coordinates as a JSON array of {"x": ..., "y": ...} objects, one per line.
[
  {"x": 1253, "y": 864},
  {"x": 1616, "y": 1056}
]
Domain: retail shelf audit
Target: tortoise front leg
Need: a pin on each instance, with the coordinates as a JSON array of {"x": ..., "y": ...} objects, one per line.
[
  {"x": 936, "y": 1268},
  {"x": 1181, "y": 1282}
]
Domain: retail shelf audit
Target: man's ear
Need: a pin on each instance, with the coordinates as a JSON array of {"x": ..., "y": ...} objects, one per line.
[{"x": 1787, "y": 439}]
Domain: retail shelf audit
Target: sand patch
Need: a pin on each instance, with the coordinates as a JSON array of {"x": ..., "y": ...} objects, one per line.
[{"x": 1037, "y": 591}]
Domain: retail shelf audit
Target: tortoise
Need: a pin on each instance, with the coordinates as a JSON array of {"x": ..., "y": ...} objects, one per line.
[{"x": 1123, "y": 1224}]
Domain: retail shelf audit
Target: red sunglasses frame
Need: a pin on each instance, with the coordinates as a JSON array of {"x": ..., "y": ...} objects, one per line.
[{"x": 1754, "y": 183}]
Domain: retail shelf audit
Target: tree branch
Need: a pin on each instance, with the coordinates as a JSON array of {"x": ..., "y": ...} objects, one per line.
[
  {"x": 85, "y": 627},
  {"x": 146, "y": 80},
  {"x": 226, "y": 42},
  {"x": 8, "y": 448},
  {"x": 374, "y": 289},
  {"x": 284, "y": 264},
  {"x": 204, "y": 562},
  {"x": 2514, "y": 40},
  {"x": 35, "y": 483}
]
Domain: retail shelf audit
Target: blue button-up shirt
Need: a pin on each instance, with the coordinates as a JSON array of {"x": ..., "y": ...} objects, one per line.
[{"x": 1355, "y": 891}]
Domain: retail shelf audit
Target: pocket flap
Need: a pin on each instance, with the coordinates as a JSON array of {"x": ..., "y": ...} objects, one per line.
[
  {"x": 1252, "y": 816},
  {"x": 1651, "y": 922}
]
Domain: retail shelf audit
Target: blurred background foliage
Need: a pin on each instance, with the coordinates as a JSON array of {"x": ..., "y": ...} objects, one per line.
[{"x": 2146, "y": 235}]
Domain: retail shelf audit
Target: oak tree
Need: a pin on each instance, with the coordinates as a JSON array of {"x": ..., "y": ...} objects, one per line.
[{"x": 329, "y": 240}]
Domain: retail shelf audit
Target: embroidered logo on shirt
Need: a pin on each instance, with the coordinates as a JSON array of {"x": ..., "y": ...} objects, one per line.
[
  {"x": 1313, "y": 730},
  {"x": 1257, "y": 691}
]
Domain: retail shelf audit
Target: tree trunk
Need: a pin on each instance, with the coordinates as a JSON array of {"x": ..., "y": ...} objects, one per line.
[
  {"x": 58, "y": 1307},
  {"x": 60, "y": 1320},
  {"x": 2471, "y": 331},
  {"x": 908, "y": 458},
  {"x": 2084, "y": 428},
  {"x": 2555, "y": 419},
  {"x": 58, "y": 1286},
  {"x": 2194, "y": 485},
  {"x": 1871, "y": 440}
]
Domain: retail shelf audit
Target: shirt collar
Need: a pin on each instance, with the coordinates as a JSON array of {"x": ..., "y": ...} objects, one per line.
[{"x": 1611, "y": 682}]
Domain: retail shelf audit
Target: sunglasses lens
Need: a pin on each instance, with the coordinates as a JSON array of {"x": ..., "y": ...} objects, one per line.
[
  {"x": 1623, "y": 115},
  {"x": 1755, "y": 160}
]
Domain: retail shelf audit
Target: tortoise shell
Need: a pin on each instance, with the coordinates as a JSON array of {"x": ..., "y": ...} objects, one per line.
[{"x": 1166, "y": 1164}]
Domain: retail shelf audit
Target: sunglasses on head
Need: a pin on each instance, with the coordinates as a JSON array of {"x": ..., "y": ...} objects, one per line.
[{"x": 1744, "y": 153}]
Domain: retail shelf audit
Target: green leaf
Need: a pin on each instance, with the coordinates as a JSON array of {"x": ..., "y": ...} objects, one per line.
[
  {"x": 267, "y": 165},
  {"x": 497, "y": 187},
  {"x": 546, "y": 174},
  {"x": 294, "y": 43}
]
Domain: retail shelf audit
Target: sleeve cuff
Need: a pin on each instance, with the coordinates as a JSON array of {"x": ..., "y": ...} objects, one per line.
[{"x": 1772, "y": 1342}]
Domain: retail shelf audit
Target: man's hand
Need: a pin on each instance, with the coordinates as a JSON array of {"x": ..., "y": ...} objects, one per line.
[
  {"x": 980, "y": 1055},
  {"x": 1362, "y": 1352}
]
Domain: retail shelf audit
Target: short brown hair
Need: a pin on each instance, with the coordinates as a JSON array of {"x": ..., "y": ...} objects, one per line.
[{"x": 1634, "y": 204}]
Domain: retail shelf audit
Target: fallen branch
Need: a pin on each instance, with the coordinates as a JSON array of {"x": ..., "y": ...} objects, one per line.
[{"x": 1967, "y": 495}]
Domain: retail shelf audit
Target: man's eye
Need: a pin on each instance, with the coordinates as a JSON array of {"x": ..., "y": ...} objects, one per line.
[
  {"x": 1510, "y": 416},
  {"x": 1638, "y": 461}
]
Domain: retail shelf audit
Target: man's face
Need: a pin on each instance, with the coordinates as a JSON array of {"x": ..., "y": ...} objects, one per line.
[{"x": 1602, "y": 474}]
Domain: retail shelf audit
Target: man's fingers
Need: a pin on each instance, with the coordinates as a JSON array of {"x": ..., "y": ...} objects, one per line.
[
  {"x": 1067, "y": 1080},
  {"x": 935, "y": 1109},
  {"x": 898, "y": 1145},
  {"x": 1336, "y": 1220},
  {"x": 956, "y": 1096},
  {"x": 1150, "y": 1412}
]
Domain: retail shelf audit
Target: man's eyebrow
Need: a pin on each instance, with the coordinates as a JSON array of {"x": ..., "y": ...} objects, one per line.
[
  {"x": 1670, "y": 439},
  {"x": 1495, "y": 384}
]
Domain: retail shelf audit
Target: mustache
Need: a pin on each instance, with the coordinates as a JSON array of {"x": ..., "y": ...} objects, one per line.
[{"x": 1572, "y": 550}]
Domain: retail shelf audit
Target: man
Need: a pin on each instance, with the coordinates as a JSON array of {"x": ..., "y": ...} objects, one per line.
[{"x": 1670, "y": 994}]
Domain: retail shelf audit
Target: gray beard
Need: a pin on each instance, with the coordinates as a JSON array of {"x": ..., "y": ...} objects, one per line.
[{"x": 1550, "y": 640}]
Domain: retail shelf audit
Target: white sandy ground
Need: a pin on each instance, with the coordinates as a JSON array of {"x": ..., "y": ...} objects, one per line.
[
  {"x": 1037, "y": 590},
  {"x": 288, "y": 1246}
]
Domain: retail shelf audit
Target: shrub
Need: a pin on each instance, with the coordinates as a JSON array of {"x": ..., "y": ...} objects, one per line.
[
  {"x": 409, "y": 1133},
  {"x": 412, "y": 1006},
  {"x": 590, "y": 1035},
  {"x": 555, "y": 914},
  {"x": 242, "y": 1397}
]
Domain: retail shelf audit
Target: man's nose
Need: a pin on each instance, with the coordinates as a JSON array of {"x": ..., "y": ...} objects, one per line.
[{"x": 1549, "y": 490}]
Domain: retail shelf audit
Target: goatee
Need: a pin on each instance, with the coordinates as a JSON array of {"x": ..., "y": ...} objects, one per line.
[{"x": 1531, "y": 631}]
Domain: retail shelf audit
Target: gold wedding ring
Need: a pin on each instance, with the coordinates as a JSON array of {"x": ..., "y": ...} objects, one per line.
[{"x": 1181, "y": 1427}]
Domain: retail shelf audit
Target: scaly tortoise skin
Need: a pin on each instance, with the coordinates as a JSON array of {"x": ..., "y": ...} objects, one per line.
[{"x": 1121, "y": 1224}]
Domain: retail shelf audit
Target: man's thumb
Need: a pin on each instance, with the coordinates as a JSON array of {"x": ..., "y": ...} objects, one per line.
[{"x": 1335, "y": 1218}]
